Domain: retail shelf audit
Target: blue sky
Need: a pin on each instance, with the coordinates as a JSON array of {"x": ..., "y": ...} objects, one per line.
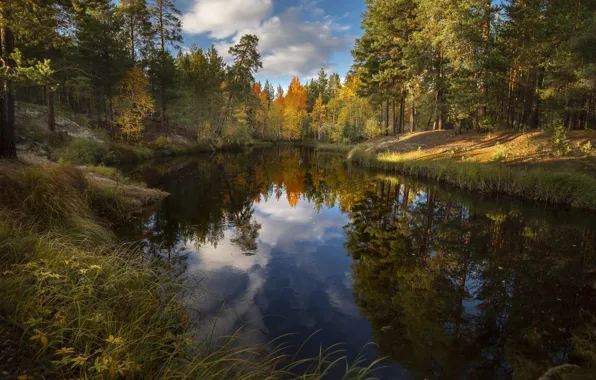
[{"x": 297, "y": 37}]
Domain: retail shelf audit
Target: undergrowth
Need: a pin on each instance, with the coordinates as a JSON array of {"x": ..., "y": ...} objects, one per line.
[
  {"x": 82, "y": 305},
  {"x": 561, "y": 187}
]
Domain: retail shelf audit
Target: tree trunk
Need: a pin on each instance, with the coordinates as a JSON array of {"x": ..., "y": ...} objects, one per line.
[
  {"x": 163, "y": 106},
  {"x": 163, "y": 67},
  {"x": 535, "y": 108},
  {"x": 412, "y": 113},
  {"x": 484, "y": 81},
  {"x": 394, "y": 123},
  {"x": 402, "y": 111},
  {"x": 438, "y": 124},
  {"x": 387, "y": 118},
  {"x": 132, "y": 38},
  {"x": 7, "y": 139},
  {"x": 51, "y": 115}
]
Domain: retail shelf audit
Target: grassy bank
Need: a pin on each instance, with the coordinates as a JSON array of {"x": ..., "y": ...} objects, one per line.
[
  {"x": 568, "y": 182},
  {"x": 81, "y": 151},
  {"x": 323, "y": 146},
  {"x": 77, "y": 303}
]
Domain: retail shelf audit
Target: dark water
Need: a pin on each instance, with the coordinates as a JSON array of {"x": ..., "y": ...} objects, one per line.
[{"x": 447, "y": 285}]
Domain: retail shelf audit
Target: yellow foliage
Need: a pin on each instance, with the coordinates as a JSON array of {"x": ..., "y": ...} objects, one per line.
[
  {"x": 294, "y": 110},
  {"x": 317, "y": 115},
  {"x": 133, "y": 104},
  {"x": 292, "y": 123},
  {"x": 350, "y": 89}
]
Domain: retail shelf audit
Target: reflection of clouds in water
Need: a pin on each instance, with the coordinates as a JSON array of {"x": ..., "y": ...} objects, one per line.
[
  {"x": 227, "y": 255},
  {"x": 283, "y": 226},
  {"x": 341, "y": 299},
  {"x": 233, "y": 281},
  {"x": 230, "y": 282}
]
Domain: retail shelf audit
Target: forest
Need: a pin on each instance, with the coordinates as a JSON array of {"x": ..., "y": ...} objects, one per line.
[
  {"x": 167, "y": 212},
  {"x": 419, "y": 65}
]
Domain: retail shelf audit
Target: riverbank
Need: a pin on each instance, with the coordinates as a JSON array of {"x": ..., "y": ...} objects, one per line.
[
  {"x": 75, "y": 300},
  {"x": 79, "y": 303},
  {"x": 534, "y": 166}
]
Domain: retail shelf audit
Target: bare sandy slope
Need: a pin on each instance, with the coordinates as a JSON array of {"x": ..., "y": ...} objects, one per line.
[{"x": 511, "y": 148}]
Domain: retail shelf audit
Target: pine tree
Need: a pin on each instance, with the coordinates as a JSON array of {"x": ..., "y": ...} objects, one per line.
[
  {"x": 166, "y": 28},
  {"x": 137, "y": 24},
  {"x": 247, "y": 61}
]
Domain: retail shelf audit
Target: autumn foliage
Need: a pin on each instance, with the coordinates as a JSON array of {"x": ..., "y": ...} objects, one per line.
[{"x": 133, "y": 104}]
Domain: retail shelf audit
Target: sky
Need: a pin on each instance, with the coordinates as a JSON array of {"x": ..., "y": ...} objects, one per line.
[{"x": 296, "y": 37}]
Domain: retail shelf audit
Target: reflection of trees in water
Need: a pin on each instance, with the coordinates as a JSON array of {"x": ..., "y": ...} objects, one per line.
[
  {"x": 456, "y": 291},
  {"x": 453, "y": 287},
  {"x": 246, "y": 231},
  {"x": 212, "y": 196}
]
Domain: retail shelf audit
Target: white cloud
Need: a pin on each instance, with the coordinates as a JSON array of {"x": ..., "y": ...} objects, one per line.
[
  {"x": 223, "y": 18},
  {"x": 289, "y": 44}
]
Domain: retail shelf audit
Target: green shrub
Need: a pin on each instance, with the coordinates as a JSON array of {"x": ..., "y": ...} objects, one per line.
[
  {"x": 561, "y": 145},
  {"x": 586, "y": 148},
  {"x": 502, "y": 153},
  {"x": 334, "y": 131},
  {"x": 372, "y": 129},
  {"x": 82, "y": 152},
  {"x": 162, "y": 142}
]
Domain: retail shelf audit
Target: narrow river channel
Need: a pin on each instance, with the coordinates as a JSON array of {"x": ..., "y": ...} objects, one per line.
[{"x": 444, "y": 284}]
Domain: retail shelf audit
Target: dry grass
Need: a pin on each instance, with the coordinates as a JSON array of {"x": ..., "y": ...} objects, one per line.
[
  {"x": 512, "y": 148},
  {"x": 523, "y": 165},
  {"x": 76, "y": 303}
]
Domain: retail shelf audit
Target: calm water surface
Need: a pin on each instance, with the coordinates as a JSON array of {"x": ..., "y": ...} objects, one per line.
[{"x": 446, "y": 285}]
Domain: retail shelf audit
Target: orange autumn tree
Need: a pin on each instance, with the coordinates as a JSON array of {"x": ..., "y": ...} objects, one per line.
[
  {"x": 294, "y": 110},
  {"x": 133, "y": 104}
]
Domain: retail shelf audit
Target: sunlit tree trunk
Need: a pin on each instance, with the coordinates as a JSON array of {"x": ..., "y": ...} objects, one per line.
[
  {"x": 412, "y": 113},
  {"x": 484, "y": 73},
  {"x": 394, "y": 122},
  {"x": 438, "y": 124}
]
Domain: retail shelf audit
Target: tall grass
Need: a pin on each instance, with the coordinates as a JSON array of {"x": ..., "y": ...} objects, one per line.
[
  {"x": 559, "y": 187},
  {"x": 326, "y": 146},
  {"x": 83, "y": 305}
]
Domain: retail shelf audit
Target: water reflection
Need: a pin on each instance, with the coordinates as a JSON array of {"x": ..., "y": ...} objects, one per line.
[{"x": 447, "y": 286}]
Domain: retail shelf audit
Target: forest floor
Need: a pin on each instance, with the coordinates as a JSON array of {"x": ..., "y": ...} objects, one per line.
[
  {"x": 530, "y": 165},
  {"x": 509, "y": 148}
]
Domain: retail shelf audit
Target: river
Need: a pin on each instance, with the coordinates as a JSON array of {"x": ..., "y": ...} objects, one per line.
[{"x": 443, "y": 283}]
